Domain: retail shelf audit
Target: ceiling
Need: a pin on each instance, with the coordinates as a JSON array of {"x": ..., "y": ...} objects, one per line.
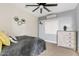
[{"x": 60, "y": 8}]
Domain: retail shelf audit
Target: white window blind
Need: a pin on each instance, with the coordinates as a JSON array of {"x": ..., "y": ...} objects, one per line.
[{"x": 51, "y": 26}]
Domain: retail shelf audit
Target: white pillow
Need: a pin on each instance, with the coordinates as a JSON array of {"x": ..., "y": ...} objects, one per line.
[
  {"x": 13, "y": 37},
  {"x": 13, "y": 41}
]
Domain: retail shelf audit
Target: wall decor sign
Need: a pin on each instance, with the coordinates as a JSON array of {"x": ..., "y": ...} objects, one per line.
[{"x": 19, "y": 21}]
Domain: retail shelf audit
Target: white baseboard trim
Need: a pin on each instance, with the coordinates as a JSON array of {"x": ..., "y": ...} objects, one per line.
[{"x": 51, "y": 41}]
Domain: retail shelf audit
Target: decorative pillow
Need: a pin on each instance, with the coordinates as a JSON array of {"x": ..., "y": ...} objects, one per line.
[
  {"x": 13, "y": 37},
  {"x": 5, "y": 39},
  {"x": 13, "y": 40},
  {"x": 0, "y": 46}
]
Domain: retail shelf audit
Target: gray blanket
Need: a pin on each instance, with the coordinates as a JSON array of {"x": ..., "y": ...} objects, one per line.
[{"x": 26, "y": 46}]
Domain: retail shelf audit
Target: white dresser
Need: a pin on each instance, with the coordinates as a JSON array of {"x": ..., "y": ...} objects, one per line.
[{"x": 67, "y": 39}]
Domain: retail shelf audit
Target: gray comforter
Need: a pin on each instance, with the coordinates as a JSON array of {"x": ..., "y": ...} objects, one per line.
[{"x": 26, "y": 46}]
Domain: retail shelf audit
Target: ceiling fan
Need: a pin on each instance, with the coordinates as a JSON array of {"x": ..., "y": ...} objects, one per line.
[{"x": 44, "y": 5}]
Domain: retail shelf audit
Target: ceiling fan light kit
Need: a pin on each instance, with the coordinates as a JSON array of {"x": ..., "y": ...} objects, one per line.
[{"x": 44, "y": 5}]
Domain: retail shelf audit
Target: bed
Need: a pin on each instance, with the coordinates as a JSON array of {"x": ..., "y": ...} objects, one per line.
[{"x": 26, "y": 46}]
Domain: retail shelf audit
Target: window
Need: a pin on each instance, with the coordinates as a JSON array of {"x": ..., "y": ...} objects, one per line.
[{"x": 51, "y": 26}]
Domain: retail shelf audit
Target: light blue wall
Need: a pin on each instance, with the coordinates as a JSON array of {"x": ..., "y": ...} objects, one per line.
[
  {"x": 77, "y": 22},
  {"x": 70, "y": 13}
]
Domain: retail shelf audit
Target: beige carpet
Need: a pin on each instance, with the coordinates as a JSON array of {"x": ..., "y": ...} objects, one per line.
[{"x": 54, "y": 50}]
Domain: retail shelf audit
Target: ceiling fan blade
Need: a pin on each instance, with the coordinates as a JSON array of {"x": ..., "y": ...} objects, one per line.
[
  {"x": 32, "y": 5},
  {"x": 41, "y": 10},
  {"x": 46, "y": 9},
  {"x": 35, "y": 9},
  {"x": 50, "y": 4}
]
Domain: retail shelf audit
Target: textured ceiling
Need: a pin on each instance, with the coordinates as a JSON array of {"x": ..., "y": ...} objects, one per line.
[{"x": 60, "y": 8}]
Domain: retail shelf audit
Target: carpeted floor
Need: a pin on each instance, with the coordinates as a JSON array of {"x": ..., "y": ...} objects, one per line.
[{"x": 53, "y": 50}]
